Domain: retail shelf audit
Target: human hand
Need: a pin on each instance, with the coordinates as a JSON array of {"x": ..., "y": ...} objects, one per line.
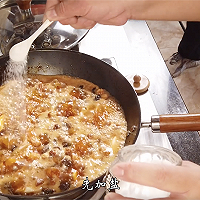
[
  {"x": 86, "y": 13},
  {"x": 183, "y": 182}
]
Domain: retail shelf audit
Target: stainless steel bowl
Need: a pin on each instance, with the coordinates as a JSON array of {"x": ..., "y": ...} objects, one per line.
[{"x": 17, "y": 24}]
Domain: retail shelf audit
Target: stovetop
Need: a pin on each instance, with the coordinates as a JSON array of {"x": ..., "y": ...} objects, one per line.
[
  {"x": 135, "y": 52},
  {"x": 114, "y": 51}
]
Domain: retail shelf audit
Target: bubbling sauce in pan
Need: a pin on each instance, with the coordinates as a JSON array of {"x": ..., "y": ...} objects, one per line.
[{"x": 60, "y": 131}]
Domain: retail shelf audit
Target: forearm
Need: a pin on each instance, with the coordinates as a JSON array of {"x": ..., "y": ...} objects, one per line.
[
  {"x": 170, "y": 10},
  {"x": 86, "y": 13}
]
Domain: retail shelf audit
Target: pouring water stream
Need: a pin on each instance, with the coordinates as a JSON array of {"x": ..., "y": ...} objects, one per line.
[{"x": 18, "y": 53}]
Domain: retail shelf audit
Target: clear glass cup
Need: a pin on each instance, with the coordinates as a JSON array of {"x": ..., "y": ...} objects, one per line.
[{"x": 141, "y": 153}]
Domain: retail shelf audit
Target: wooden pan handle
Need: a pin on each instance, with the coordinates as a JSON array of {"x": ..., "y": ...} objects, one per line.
[
  {"x": 179, "y": 123},
  {"x": 24, "y": 4}
]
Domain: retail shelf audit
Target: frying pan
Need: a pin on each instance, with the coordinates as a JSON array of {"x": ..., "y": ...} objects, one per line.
[{"x": 75, "y": 64}]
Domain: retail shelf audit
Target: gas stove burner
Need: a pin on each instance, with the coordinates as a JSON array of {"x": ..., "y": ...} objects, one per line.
[{"x": 17, "y": 26}]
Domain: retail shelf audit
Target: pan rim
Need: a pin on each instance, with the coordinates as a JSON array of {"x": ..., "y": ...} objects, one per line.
[{"x": 136, "y": 132}]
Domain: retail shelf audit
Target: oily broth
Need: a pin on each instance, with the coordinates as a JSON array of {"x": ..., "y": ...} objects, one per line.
[{"x": 71, "y": 129}]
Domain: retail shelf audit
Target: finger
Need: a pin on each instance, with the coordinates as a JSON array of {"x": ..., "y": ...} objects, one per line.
[
  {"x": 118, "y": 20},
  {"x": 66, "y": 9},
  {"x": 69, "y": 21},
  {"x": 52, "y": 10},
  {"x": 165, "y": 177},
  {"x": 79, "y": 23},
  {"x": 51, "y": 4},
  {"x": 115, "y": 196},
  {"x": 83, "y": 23},
  {"x": 65, "y": 21},
  {"x": 189, "y": 164},
  {"x": 49, "y": 9},
  {"x": 177, "y": 196}
]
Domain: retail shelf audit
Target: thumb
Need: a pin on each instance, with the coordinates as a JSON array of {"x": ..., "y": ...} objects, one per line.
[
  {"x": 170, "y": 178},
  {"x": 55, "y": 10},
  {"x": 51, "y": 15},
  {"x": 50, "y": 12},
  {"x": 58, "y": 10}
]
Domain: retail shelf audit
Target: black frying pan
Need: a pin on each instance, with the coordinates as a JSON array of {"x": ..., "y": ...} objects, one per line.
[{"x": 53, "y": 62}]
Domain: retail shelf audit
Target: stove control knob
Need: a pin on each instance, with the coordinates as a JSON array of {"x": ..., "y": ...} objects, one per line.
[
  {"x": 137, "y": 78},
  {"x": 141, "y": 83}
]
